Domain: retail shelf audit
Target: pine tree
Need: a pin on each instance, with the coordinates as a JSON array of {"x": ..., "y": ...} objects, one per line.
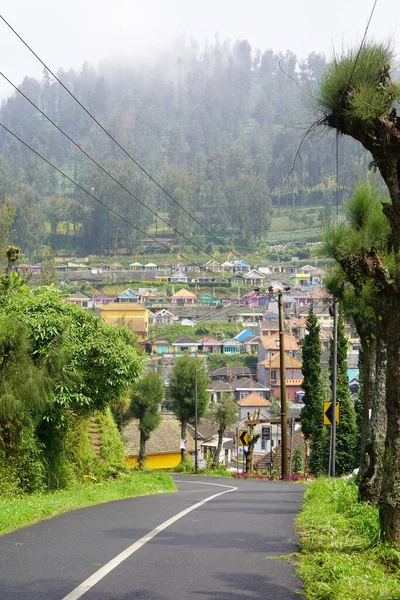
[
  {"x": 346, "y": 430},
  {"x": 312, "y": 411}
]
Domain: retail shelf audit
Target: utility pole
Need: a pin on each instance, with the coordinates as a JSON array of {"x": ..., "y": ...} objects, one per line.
[
  {"x": 195, "y": 422},
  {"x": 334, "y": 381},
  {"x": 284, "y": 428}
]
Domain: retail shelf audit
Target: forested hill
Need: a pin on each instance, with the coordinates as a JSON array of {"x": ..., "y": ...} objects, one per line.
[{"x": 218, "y": 127}]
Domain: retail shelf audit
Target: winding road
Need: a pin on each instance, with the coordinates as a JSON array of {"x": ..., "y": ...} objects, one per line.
[{"x": 215, "y": 539}]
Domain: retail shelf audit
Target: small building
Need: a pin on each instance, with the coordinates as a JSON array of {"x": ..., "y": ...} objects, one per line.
[
  {"x": 269, "y": 373},
  {"x": 163, "y": 317},
  {"x": 231, "y": 346},
  {"x": 229, "y": 374},
  {"x": 162, "y": 345},
  {"x": 163, "y": 450},
  {"x": 210, "y": 345},
  {"x": 185, "y": 344},
  {"x": 150, "y": 267},
  {"x": 131, "y": 314},
  {"x": 254, "y": 277},
  {"x": 184, "y": 298},
  {"x": 136, "y": 266},
  {"x": 80, "y": 299},
  {"x": 300, "y": 279},
  {"x": 209, "y": 300},
  {"x": 128, "y": 295},
  {"x": 269, "y": 346},
  {"x": 252, "y": 402},
  {"x": 241, "y": 266},
  {"x": 178, "y": 277},
  {"x": 116, "y": 266}
]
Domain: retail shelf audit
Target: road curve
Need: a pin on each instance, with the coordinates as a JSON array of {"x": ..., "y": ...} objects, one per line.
[{"x": 170, "y": 547}]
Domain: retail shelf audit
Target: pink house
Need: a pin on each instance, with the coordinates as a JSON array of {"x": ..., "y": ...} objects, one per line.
[{"x": 184, "y": 298}]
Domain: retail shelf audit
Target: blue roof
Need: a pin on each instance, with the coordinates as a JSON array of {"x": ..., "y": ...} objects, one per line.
[
  {"x": 128, "y": 294},
  {"x": 243, "y": 334}
]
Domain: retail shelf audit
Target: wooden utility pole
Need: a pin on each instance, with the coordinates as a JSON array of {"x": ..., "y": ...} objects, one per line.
[
  {"x": 195, "y": 423},
  {"x": 284, "y": 428},
  {"x": 334, "y": 381}
]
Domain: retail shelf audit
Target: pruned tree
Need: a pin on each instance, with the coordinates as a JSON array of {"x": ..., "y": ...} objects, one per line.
[
  {"x": 366, "y": 229},
  {"x": 223, "y": 414},
  {"x": 357, "y": 98},
  {"x": 146, "y": 397},
  {"x": 182, "y": 390}
]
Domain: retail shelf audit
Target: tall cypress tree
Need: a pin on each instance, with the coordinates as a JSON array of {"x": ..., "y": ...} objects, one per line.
[
  {"x": 346, "y": 430},
  {"x": 312, "y": 411}
]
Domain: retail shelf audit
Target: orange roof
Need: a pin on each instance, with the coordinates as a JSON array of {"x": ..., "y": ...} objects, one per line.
[
  {"x": 254, "y": 399},
  {"x": 272, "y": 342},
  {"x": 184, "y": 294},
  {"x": 290, "y": 362}
]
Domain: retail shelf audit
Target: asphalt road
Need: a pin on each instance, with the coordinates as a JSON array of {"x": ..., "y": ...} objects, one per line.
[{"x": 221, "y": 550}]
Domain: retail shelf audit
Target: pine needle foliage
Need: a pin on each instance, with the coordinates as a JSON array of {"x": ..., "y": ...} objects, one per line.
[
  {"x": 346, "y": 430},
  {"x": 355, "y": 85},
  {"x": 312, "y": 411}
]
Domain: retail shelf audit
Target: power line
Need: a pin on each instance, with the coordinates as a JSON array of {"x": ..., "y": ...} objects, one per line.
[
  {"x": 78, "y": 185},
  {"x": 103, "y": 169},
  {"x": 119, "y": 145}
]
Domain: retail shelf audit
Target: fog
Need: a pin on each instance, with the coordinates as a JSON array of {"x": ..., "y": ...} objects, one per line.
[{"x": 65, "y": 34}]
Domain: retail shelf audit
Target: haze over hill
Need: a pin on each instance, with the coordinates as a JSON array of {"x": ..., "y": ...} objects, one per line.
[{"x": 217, "y": 124}]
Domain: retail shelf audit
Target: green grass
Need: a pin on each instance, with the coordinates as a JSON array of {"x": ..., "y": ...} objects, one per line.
[
  {"x": 20, "y": 512},
  {"x": 341, "y": 555}
]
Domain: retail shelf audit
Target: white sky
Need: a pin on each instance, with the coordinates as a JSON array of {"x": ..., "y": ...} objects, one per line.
[{"x": 65, "y": 34}]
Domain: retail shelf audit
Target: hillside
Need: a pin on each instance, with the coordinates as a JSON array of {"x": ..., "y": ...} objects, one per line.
[{"x": 218, "y": 127}]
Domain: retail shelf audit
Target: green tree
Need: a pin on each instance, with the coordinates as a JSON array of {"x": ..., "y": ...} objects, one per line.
[
  {"x": 146, "y": 398},
  {"x": 182, "y": 390},
  {"x": 48, "y": 273},
  {"x": 364, "y": 234},
  {"x": 346, "y": 430},
  {"x": 297, "y": 460},
  {"x": 223, "y": 414},
  {"x": 312, "y": 412}
]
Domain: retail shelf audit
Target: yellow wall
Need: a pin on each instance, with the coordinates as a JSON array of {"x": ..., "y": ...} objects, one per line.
[
  {"x": 125, "y": 311},
  {"x": 157, "y": 461}
]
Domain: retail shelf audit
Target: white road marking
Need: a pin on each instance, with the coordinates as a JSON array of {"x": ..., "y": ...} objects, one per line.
[{"x": 84, "y": 587}]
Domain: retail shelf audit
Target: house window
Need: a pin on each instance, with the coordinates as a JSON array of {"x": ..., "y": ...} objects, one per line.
[
  {"x": 263, "y": 444},
  {"x": 273, "y": 375}
]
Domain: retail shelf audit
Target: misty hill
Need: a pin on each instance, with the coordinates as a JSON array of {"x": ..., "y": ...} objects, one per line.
[{"x": 218, "y": 127}]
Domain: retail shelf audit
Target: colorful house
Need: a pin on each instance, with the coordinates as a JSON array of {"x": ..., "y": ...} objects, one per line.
[
  {"x": 254, "y": 277},
  {"x": 163, "y": 450},
  {"x": 162, "y": 345},
  {"x": 132, "y": 314},
  {"x": 209, "y": 300},
  {"x": 252, "y": 402},
  {"x": 210, "y": 345},
  {"x": 128, "y": 295},
  {"x": 184, "y": 298},
  {"x": 269, "y": 346},
  {"x": 269, "y": 374},
  {"x": 80, "y": 299},
  {"x": 185, "y": 344},
  {"x": 231, "y": 346},
  {"x": 178, "y": 277}
]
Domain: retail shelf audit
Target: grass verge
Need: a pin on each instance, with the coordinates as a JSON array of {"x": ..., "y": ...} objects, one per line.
[
  {"x": 16, "y": 513},
  {"x": 342, "y": 557}
]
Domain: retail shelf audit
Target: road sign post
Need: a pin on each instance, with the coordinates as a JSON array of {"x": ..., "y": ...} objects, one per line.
[
  {"x": 243, "y": 437},
  {"x": 328, "y": 413}
]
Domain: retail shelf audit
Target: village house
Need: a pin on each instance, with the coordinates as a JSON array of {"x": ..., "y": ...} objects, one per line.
[
  {"x": 231, "y": 346},
  {"x": 178, "y": 277},
  {"x": 163, "y": 449},
  {"x": 253, "y": 402},
  {"x": 184, "y": 298},
  {"x": 229, "y": 374},
  {"x": 80, "y": 299},
  {"x": 150, "y": 267},
  {"x": 161, "y": 346},
  {"x": 269, "y": 374},
  {"x": 136, "y": 266},
  {"x": 128, "y": 295},
  {"x": 210, "y": 345},
  {"x": 161, "y": 317},
  {"x": 185, "y": 344},
  {"x": 269, "y": 346},
  {"x": 254, "y": 278},
  {"x": 131, "y": 314},
  {"x": 208, "y": 300},
  {"x": 238, "y": 387}
]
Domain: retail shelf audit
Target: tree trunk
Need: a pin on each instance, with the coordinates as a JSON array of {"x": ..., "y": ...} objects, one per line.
[
  {"x": 219, "y": 448},
  {"x": 183, "y": 437},
  {"x": 374, "y": 418},
  {"x": 390, "y": 492},
  {"x": 142, "y": 450}
]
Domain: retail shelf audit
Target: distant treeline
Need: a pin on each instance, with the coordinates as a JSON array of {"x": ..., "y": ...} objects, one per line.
[{"x": 218, "y": 128}]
